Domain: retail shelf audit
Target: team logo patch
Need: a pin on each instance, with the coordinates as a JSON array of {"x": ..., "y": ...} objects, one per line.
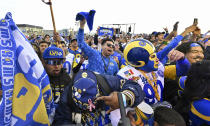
[
  {"x": 77, "y": 95},
  {"x": 128, "y": 73},
  {"x": 84, "y": 74},
  {"x": 55, "y": 53},
  {"x": 142, "y": 43},
  {"x": 111, "y": 64}
]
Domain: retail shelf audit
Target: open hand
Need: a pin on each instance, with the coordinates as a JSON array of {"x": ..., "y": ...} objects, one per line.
[{"x": 189, "y": 29}]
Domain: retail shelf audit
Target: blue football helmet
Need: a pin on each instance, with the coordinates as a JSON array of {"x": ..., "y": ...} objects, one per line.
[{"x": 141, "y": 54}]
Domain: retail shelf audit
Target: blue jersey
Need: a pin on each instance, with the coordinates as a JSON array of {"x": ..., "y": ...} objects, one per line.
[
  {"x": 75, "y": 52},
  {"x": 119, "y": 59},
  {"x": 96, "y": 61},
  {"x": 71, "y": 62}
]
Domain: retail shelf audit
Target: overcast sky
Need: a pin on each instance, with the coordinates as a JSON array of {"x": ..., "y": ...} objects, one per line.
[{"x": 149, "y": 15}]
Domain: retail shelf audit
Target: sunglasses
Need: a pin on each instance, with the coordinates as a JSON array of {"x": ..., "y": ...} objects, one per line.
[
  {"x": 110, "y": 45},
  {"x": 54, "y": 62}
]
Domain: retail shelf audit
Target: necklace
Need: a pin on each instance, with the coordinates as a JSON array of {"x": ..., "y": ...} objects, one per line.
[{"x": 154, "y": 86}]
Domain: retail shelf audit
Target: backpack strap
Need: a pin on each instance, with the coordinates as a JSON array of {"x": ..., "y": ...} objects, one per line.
[{"x": 103, "y": 84}]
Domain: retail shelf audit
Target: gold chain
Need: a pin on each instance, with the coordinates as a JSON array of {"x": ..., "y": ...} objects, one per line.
[{"x": 154, "y": 87}]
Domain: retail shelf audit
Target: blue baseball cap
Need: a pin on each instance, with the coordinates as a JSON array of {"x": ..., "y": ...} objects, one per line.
[
  {"x": 53, "y": 53},
  {"x": 84, "y": 88},
  {"x": 154, "y": 33}
]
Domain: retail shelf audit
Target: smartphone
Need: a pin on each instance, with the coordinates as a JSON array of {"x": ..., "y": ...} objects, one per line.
[
  {"x": 195, "y": 21},
  {"x": 176, "y": 26}
]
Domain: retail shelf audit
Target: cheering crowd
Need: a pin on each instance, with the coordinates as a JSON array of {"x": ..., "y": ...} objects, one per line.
[{"x": 163, "y": 77}]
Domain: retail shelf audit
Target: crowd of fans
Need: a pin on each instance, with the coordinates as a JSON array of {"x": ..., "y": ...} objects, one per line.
[{"x": 178, "y": 78}]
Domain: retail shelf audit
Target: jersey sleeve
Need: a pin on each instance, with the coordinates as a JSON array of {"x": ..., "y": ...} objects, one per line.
[
  {"x": 83, "y": 45},
  {"x": 163, "y": 53},
  {"x": 170, "y": 72},
  {"x": 128, "y": 87},
  {"x": 180, "y": 69}
]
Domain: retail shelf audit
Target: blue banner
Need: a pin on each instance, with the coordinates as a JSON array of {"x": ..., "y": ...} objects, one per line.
[
  {"x": 27, "y": 95},
  {"x": 105, "y": 31}
]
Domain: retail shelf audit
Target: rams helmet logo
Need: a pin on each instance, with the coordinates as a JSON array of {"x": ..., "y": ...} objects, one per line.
[{"x": 137, "y": 52}]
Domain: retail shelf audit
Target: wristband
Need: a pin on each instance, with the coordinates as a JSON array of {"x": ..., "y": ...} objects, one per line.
[{"x": 124, "y": 100}]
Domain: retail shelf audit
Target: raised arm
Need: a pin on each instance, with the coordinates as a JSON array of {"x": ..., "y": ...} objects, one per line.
[
  {"x": 163, "y": 53},
  {"x": 82, "y": 44}
]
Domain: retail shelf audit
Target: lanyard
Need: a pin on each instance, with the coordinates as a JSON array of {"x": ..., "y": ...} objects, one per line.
[{"x": 105, "y": 66}]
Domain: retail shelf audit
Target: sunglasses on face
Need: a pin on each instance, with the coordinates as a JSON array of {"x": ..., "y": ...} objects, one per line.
[
  {"x": 110, "y": 45},
  {"x": 54, "y": 62}
]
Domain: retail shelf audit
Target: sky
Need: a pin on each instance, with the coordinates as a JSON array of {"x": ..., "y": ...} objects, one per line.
[{"x": 148, "y": 15}]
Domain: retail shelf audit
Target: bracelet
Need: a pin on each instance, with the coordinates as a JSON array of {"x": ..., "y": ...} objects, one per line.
[
  {"x": 124, "y": 100},
  {"x": 130, "y": 97}
]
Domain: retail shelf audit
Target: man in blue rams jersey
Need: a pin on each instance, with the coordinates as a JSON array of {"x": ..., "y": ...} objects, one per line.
[
  {"x": 73, "y": 47},
  {"x": 100, "y": 62},
  {"x": 75, "y": 50}
]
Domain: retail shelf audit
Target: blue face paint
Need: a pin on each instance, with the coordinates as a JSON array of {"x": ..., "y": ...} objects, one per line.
[
  {"x": 149, "y": 67},
  {"x": 152, "y": 64},
  {"x": 194, "y": 45}
]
